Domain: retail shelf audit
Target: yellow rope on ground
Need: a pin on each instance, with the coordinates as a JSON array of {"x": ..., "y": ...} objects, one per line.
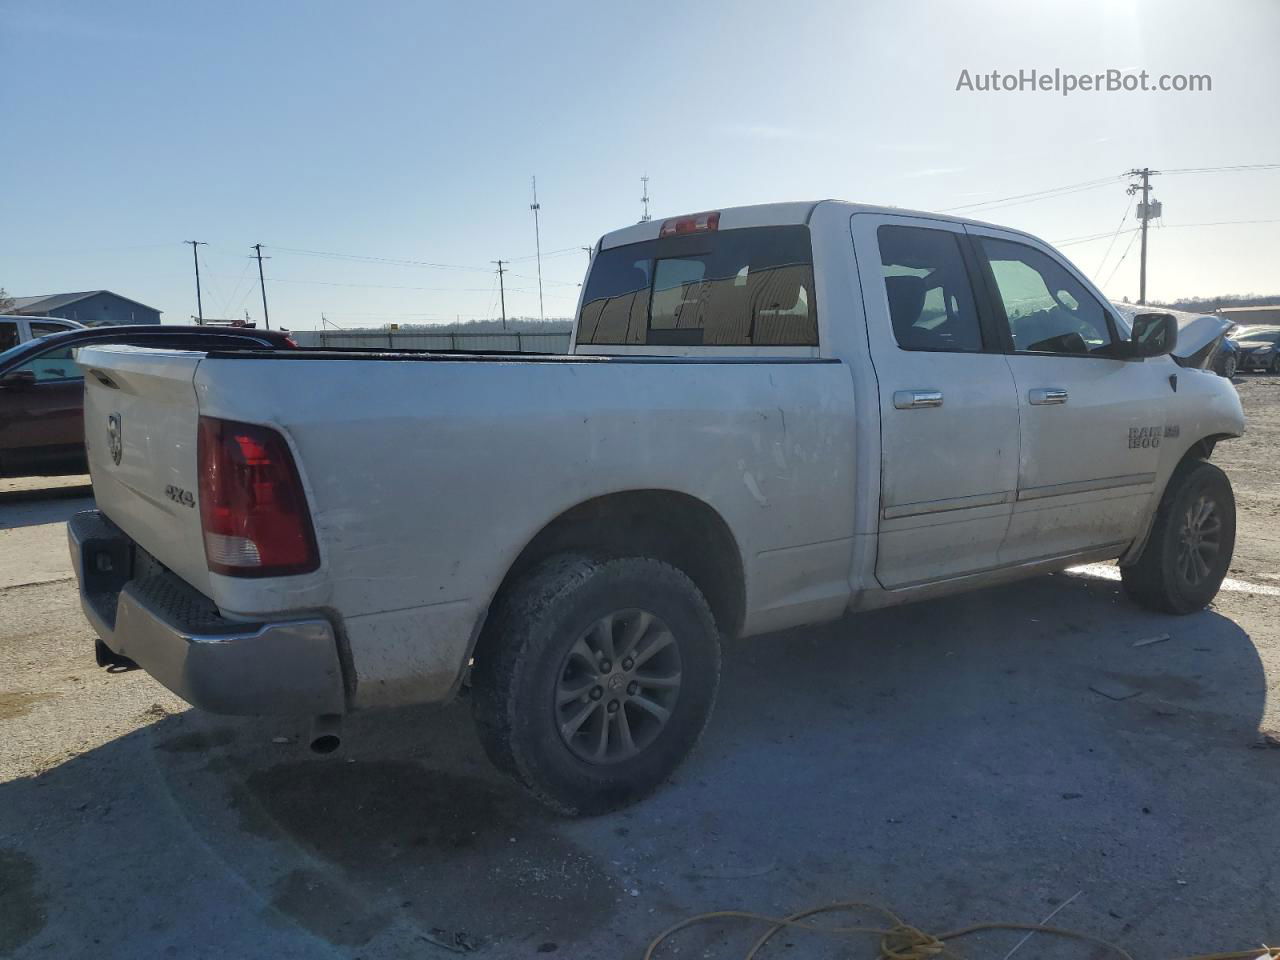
[{"x": 901, "y": 941}]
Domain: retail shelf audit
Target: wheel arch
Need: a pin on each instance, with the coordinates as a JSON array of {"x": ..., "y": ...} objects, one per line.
[
  {"x": 1201, "y": 449},
  {"x": 676, "y": 528}
]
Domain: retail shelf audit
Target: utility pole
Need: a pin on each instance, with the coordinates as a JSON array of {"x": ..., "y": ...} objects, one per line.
[
  {"x": 502, "y": 292},
  {"x": 196, "y": 260},
  {"x": 645, "y": 199},
  {"x": 537, "y": 241},
  {"x": 1147, "y": 210},
  {"x": 266, "y": 318}
]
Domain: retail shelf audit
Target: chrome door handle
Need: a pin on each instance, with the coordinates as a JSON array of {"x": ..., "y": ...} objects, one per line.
[
  {"x": 917, "y": 399},
  {"x": 1044, "y": 395}
]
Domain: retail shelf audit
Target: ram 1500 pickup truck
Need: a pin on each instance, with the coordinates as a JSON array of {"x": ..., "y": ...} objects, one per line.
[{"x": 771, "y": 416}]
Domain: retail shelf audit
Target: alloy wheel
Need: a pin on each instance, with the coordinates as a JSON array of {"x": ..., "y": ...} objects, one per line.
[
  {"x": 617, "y": 687},
  {"x": 1199, "y": 541}
]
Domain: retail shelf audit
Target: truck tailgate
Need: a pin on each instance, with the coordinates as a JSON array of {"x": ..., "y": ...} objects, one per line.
[{"x": 140, "y": 420}]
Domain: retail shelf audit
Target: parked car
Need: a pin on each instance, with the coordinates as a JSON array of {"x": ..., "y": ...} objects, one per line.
[
  {"x": 15, "y": 330},
  {"x": 1259, "y": 348},
  {"x": 42, "y": 388},
  {"x": 1226, "y": 361},
  {"x": 772, "y": 416}
]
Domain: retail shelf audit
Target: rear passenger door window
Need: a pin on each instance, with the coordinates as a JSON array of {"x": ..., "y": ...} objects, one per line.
[
  {"x": 931, "y": 301},
  {"x": 1047, "y": 309}
]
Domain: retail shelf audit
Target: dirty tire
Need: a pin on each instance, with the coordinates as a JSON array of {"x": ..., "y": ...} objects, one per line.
[
  {"x": 1158, "y": 580},
  {"x": 519, "y": 672}
]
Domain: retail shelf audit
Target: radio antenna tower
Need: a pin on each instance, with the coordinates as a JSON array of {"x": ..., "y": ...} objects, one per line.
[
  {"x": 645, "y": 199},
  {"x": 537, "y": 241}
]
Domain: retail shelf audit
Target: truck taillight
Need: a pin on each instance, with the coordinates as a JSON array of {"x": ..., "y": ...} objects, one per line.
[
  {"x": 252, "y": 506},
  {"x": 693, "y": 223}
]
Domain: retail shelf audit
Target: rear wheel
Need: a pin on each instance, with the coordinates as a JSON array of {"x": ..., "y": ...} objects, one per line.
[
  {"x": 1229, "y": 364},
  {"x": 595, "y": 680},
  {"x": 1192, "y": 540}
]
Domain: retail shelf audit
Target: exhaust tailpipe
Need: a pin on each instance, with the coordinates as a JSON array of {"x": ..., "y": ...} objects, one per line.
[{"x": 326, "y": 733}]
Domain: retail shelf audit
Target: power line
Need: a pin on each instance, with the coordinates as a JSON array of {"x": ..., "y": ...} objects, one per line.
[
  {"x": 1121, "y": 260},
  {"x": 1037, "y": 194},
  {"x": 1239, "y": 167},
  {"x": 1111, "y": 246}
]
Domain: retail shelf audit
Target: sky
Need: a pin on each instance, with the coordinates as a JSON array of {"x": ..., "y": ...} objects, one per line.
[{"x": 360, "y": 142}]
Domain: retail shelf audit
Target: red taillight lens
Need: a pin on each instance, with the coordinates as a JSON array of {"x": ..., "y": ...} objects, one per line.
[
  {"x": 694, "y": 223},
  {"x": 252, "y": 506}
]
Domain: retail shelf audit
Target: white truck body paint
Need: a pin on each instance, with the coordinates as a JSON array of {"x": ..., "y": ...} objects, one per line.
[{"x": 427, "y": 476}]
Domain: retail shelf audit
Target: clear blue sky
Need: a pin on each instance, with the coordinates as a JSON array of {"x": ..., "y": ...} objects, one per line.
[{"x": 408, "y": 130}]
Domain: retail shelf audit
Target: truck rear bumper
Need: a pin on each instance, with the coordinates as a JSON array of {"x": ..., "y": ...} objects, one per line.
[{"x": 146, "y": 613}]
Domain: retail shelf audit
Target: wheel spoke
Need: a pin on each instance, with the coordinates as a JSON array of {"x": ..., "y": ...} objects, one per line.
[
  {"x": 602, "y": 635},
  {"x": 569, "y": 694},
  {"x": 1211, "y": 528},
  {"x": 657, "y": 709},
  {"x": 1208, "y": 546},
  {"x": 602, "y": 741},
  {"x": 661, "y": 640},
  {"x": 1184, "y": 563},
  {"x": 573, "y": 725},
  {"x": 624, "y": 732},
  {"x": 634, "y": 631},
  {"x": 582, "y": 651},
  {"x": 651, "y": 682},
  {"x": 1202, "y": 568}
]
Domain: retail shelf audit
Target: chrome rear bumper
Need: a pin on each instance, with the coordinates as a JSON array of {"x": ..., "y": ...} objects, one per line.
[{"x": 146, "y": 613}]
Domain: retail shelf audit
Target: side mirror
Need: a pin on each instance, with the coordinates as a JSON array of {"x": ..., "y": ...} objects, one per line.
[
  {"x": 18, "y": 380},
  {"x": 1154, "y": 335}
]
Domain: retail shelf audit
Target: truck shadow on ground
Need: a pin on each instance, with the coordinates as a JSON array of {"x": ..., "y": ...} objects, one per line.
[
  {"x": 974, "y": 758},
  {"x": 26, "y": 508}
]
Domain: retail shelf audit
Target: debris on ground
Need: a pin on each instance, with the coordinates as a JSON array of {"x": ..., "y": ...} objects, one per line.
[
  {"x": 1114, "y": 689},
  {"x": 1148, "y": 641}
]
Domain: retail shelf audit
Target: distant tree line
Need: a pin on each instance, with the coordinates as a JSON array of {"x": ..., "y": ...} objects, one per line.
[
  {"x": 514, "y": 325},
  {"x": 1210, "y": 304}
]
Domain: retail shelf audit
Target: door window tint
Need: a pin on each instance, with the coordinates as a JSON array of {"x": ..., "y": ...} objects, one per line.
[
  {"x": 8, "y": 335},
  {"x": 1049, "y": 310},
  {"x": 747, "y": 287},
  {"x": 931, "y": 302},
  {"x": 53, "y": 365},
  {"x": 39, "y": 329}
]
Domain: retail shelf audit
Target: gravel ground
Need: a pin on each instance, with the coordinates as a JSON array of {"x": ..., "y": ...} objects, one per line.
[{"x": 996, "y": 756}]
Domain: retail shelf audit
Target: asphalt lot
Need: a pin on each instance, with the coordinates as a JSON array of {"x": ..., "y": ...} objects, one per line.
[{"x": 995, "y": 756}]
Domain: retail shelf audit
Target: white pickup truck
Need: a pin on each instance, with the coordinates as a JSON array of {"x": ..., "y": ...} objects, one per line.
[{"x": 771, "y": 416}]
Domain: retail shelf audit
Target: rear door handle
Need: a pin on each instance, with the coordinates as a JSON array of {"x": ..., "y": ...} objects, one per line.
[
  {"x": 1044, "y": 395},
  {"x": 917, "y": 399}
]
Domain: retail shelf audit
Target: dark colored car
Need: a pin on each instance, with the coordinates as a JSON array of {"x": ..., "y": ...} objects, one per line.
[
  {"x": 1259, "y": 348},
  {"x": 42, "y": 388}
]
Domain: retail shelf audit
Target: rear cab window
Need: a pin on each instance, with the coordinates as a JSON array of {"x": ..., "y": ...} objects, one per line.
[{"x": 746, "y": 287}]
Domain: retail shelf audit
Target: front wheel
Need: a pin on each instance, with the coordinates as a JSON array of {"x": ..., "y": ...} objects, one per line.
[
  {"x": 1229, "y": 364},
  {"x": 595, "y": 679},
  {"x": 1192, "y": 540}
]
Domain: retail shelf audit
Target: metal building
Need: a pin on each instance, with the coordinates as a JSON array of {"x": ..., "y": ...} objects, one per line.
[{"x": 94, "y": 308}]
